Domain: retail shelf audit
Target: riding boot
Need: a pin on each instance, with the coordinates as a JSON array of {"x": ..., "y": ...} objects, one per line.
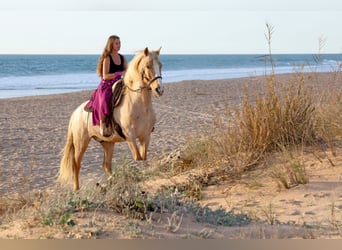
[{"x": 105, "y": 127}]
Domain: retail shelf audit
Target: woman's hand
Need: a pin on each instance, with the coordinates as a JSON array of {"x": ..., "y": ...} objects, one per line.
[{"x": 118, "y": 75}]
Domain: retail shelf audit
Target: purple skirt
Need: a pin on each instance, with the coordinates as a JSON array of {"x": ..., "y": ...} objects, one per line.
[{"x": 99, "y": 102}]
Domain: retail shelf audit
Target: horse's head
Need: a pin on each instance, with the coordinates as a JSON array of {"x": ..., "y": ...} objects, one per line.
[{"x": 150, "y": 68}]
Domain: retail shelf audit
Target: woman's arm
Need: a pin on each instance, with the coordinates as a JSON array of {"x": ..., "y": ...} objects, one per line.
[{"x": 125, "y": 64}]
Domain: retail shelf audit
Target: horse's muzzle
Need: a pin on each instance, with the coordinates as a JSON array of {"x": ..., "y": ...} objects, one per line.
[{"x": 159, "y": 91}]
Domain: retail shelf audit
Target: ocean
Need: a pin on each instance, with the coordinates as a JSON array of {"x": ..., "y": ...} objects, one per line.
[{"x": 28, "y": 75}]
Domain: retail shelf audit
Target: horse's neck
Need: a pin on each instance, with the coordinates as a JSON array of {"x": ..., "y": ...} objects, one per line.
[
  {"x": 138, "y": 98},
  {"x": 141, "y": 98}
]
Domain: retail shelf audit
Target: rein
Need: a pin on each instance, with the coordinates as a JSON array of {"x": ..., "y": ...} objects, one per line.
[{"x": 144, "y": 87}]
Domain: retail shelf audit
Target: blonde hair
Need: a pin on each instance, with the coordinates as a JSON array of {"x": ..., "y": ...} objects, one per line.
[{"x": 106, "y": 52}]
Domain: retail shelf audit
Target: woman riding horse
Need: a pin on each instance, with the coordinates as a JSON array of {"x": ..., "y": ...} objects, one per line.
[
  {"x": 111, "y": 67},
  {"x": 135, "y": 116}
]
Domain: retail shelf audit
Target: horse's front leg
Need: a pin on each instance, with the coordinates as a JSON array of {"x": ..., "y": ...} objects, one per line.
[
  {"x": 134, "y": 150},
  {"x": 108, "y": 149},
  {"x": 144, "y": 142}
]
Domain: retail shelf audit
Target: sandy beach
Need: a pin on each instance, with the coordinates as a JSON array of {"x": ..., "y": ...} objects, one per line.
[{"x": 33, "y": 132}]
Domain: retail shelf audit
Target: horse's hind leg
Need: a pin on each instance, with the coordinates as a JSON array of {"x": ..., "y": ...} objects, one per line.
[
  {"x": 80, "y": 149},
  {"x": 77, "y": 168},
  {"x": 108, "y": 149}
]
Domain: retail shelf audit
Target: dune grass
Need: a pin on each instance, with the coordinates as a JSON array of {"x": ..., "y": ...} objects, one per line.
[{"x": 274, "y": 117}]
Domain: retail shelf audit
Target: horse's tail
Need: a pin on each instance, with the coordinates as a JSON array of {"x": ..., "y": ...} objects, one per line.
[{"x": 68, "y": 160}]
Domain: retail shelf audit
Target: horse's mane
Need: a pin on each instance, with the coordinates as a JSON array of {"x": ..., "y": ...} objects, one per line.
[{"x": 133, "y": 73}]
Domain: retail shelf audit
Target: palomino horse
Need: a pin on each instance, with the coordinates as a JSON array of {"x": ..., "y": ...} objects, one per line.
[{"x": 135, "y": 116}]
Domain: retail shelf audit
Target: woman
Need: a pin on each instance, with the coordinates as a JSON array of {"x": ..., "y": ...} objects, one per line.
[{"x": 111, "y": 67}]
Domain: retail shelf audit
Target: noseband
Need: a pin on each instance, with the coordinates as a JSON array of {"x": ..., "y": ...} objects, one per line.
[{"x": 152, "y": 80}]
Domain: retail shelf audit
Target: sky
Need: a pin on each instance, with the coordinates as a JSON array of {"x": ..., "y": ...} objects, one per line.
[{"x": 178, "y": 26}]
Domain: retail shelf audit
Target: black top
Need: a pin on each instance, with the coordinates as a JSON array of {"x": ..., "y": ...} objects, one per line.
[{"x": 114, "y": 67}]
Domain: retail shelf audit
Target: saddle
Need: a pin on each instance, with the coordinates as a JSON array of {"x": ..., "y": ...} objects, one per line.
[{"x": 118, "y": 89}]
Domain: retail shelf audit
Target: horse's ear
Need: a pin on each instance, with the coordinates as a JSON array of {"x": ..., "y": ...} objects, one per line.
[
  {"x": 158, "y": 50},
  {"x": 146, "y": 51}
]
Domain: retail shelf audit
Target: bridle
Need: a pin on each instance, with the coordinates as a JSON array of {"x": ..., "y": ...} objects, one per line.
[{"x": 148, "y": 86}]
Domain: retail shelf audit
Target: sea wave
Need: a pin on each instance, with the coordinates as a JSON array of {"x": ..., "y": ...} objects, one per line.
[
  {"x": 15, "y": 86},
  {"x": 61, "y": 81},
  {"x": 225, "y": 73}
]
